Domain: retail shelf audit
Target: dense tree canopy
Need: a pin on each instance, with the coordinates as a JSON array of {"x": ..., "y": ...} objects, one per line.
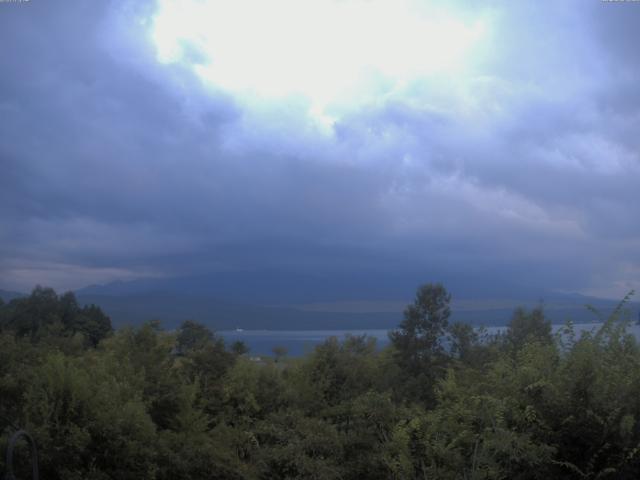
[
  {"x": 418, "y": 342},
  {"x": 44, "y": 313},
  {"x": 442, "y": 401}
]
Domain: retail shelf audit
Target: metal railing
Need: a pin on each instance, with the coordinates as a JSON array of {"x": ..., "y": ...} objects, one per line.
[{"x": 34, "y": 455}]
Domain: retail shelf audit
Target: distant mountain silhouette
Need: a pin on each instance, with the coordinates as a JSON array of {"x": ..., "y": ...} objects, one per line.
[
  {"x": 283, "y": 300},
  {"x": 285, "y": 287}
]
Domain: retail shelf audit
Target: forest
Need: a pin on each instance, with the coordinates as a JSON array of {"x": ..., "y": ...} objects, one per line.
[{"x": 442, "y": 401}]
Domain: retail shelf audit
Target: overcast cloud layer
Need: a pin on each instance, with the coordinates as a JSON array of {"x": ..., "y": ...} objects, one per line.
[{"x": 524, "y": 169}]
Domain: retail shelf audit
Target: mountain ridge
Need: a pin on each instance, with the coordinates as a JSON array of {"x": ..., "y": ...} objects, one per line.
[{"x": 278, "y": 301}]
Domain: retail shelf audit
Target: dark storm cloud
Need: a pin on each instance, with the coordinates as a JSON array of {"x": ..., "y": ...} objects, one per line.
[{"x": 116, "y": 166}]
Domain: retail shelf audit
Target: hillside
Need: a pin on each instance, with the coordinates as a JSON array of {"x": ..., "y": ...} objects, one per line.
[{"x": 268, "y": 300}]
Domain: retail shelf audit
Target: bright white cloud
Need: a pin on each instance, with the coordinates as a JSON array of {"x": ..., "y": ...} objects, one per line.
[{"x": 337, "y": 54}]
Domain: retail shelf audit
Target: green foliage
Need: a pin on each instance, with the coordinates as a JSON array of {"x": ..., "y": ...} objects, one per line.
[
  {"x": 527, "y": 327},
  {"x": 239, "y": 348},
  {"x": 192, "y": 336},
  {"x": 336, "y": 372},
  {"x": 279, "y": 352},
  {"x": 84, "y": 418},
  {"x": 44, "y": 314},
  {"x": 418, "y": 342},
  {"x": 295, "y": 446},
  {"x": 145, "y": 403},
  {"x": 425, "y": 321}
]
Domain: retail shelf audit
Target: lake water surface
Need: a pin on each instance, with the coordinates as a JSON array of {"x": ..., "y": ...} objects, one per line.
[{"x": 300, "y": 342}]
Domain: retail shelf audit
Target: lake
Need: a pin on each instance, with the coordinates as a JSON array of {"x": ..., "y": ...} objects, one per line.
[{"x": 300, "y": 342}]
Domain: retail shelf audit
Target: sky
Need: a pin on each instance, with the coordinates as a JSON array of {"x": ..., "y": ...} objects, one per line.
[{"x": 496, "y": 141}]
